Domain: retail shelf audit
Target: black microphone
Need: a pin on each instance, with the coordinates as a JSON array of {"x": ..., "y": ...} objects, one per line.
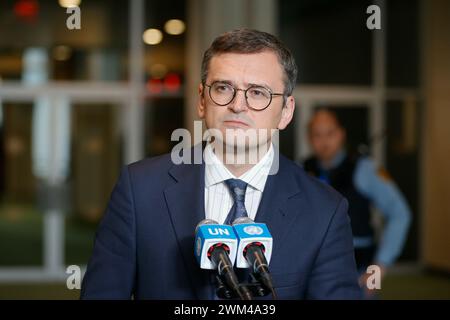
[
  {"x": 253, "y": 248},
  {"x": 214, "y": 243}
]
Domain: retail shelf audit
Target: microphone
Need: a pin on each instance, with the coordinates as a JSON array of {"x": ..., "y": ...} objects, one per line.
[
  {"x": 215, "y": 249},
  {"x": 254, "y": 249}
]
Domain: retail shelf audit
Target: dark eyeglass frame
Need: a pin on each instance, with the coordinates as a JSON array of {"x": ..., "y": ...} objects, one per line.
[{"x": 235, "y": 90}]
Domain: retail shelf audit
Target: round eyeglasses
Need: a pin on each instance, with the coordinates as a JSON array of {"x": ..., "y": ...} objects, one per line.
[{"x": 257, "y": 97}]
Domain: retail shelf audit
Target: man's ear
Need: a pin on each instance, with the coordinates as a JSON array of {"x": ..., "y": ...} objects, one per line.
[
  {"x": 287, "y": 112},
  {"x": 201, "y": 106}
]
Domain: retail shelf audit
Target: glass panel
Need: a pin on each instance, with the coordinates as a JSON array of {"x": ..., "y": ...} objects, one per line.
[
  {"x": 402, "y": 161},
  {"x": 402, "y": 60},
  {"x": 329, "y": 40},
  {"x": 163, "y": 116},
  {"x": 164, "y": 60},
  {"x": 20, "y": 217},
  {"x": 97, "y": 51},
  {"x": 86, "y": 171},
  {"x": 95, "y": 164}
]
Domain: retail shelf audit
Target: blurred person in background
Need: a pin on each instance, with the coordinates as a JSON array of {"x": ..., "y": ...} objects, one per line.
[{"x": 356, "y": 177}]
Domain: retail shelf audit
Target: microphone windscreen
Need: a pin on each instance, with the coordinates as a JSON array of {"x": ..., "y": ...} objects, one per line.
[
  {"x": 242, "y": 220},
  {"x": 205, "y": 221}
]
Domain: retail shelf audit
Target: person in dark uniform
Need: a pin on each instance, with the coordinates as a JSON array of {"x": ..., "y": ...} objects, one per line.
[{"x": 356, "y": 178}]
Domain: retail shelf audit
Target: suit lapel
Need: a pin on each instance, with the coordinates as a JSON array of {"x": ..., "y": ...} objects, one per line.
[
  {"x": 185, "y": 200},
  {"x": 279, "y": 204}
]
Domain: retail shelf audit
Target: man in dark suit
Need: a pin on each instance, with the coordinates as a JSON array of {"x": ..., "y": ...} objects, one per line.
[{"x": 144, "y": 246}]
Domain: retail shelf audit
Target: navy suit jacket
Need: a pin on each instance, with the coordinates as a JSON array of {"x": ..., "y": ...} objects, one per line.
[{"x": 144, "y": 246}]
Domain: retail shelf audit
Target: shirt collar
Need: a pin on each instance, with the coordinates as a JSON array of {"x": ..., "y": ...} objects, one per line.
[{"x": 216, "y": 172}]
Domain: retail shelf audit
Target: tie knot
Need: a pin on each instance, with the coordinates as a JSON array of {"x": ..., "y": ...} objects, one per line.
[{"x": 237, "y": 188}]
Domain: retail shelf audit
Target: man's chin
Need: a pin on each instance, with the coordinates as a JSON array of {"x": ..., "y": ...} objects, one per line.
[
  {"x": 239, "y": 139},
  {"x": 246, "y": 146}
]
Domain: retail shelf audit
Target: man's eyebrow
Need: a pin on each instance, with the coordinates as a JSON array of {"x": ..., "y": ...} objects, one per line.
[
  {"x": 223, "y": 81},
  {"x": 262, "y": 84},
  {"x": 248, "y": 84}
]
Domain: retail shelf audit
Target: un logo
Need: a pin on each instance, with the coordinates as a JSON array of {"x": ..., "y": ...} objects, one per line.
[{"x": 253, "y": 230}]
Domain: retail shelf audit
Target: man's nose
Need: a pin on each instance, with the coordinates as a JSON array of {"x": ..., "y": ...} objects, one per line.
[{"x": 239, "y": 102}]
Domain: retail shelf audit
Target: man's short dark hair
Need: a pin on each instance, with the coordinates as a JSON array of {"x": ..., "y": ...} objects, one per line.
[{"x": 253, "y": 41}]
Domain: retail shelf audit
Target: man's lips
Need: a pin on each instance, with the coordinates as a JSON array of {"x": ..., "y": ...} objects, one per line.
[{"x": 235, "y": 123}]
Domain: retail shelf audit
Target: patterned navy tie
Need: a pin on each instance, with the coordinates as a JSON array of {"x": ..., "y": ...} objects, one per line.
[{"x": 237, "y": 189}]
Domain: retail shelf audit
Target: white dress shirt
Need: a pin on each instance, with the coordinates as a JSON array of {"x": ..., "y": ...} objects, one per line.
[{"x": 218, "y": 200}]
